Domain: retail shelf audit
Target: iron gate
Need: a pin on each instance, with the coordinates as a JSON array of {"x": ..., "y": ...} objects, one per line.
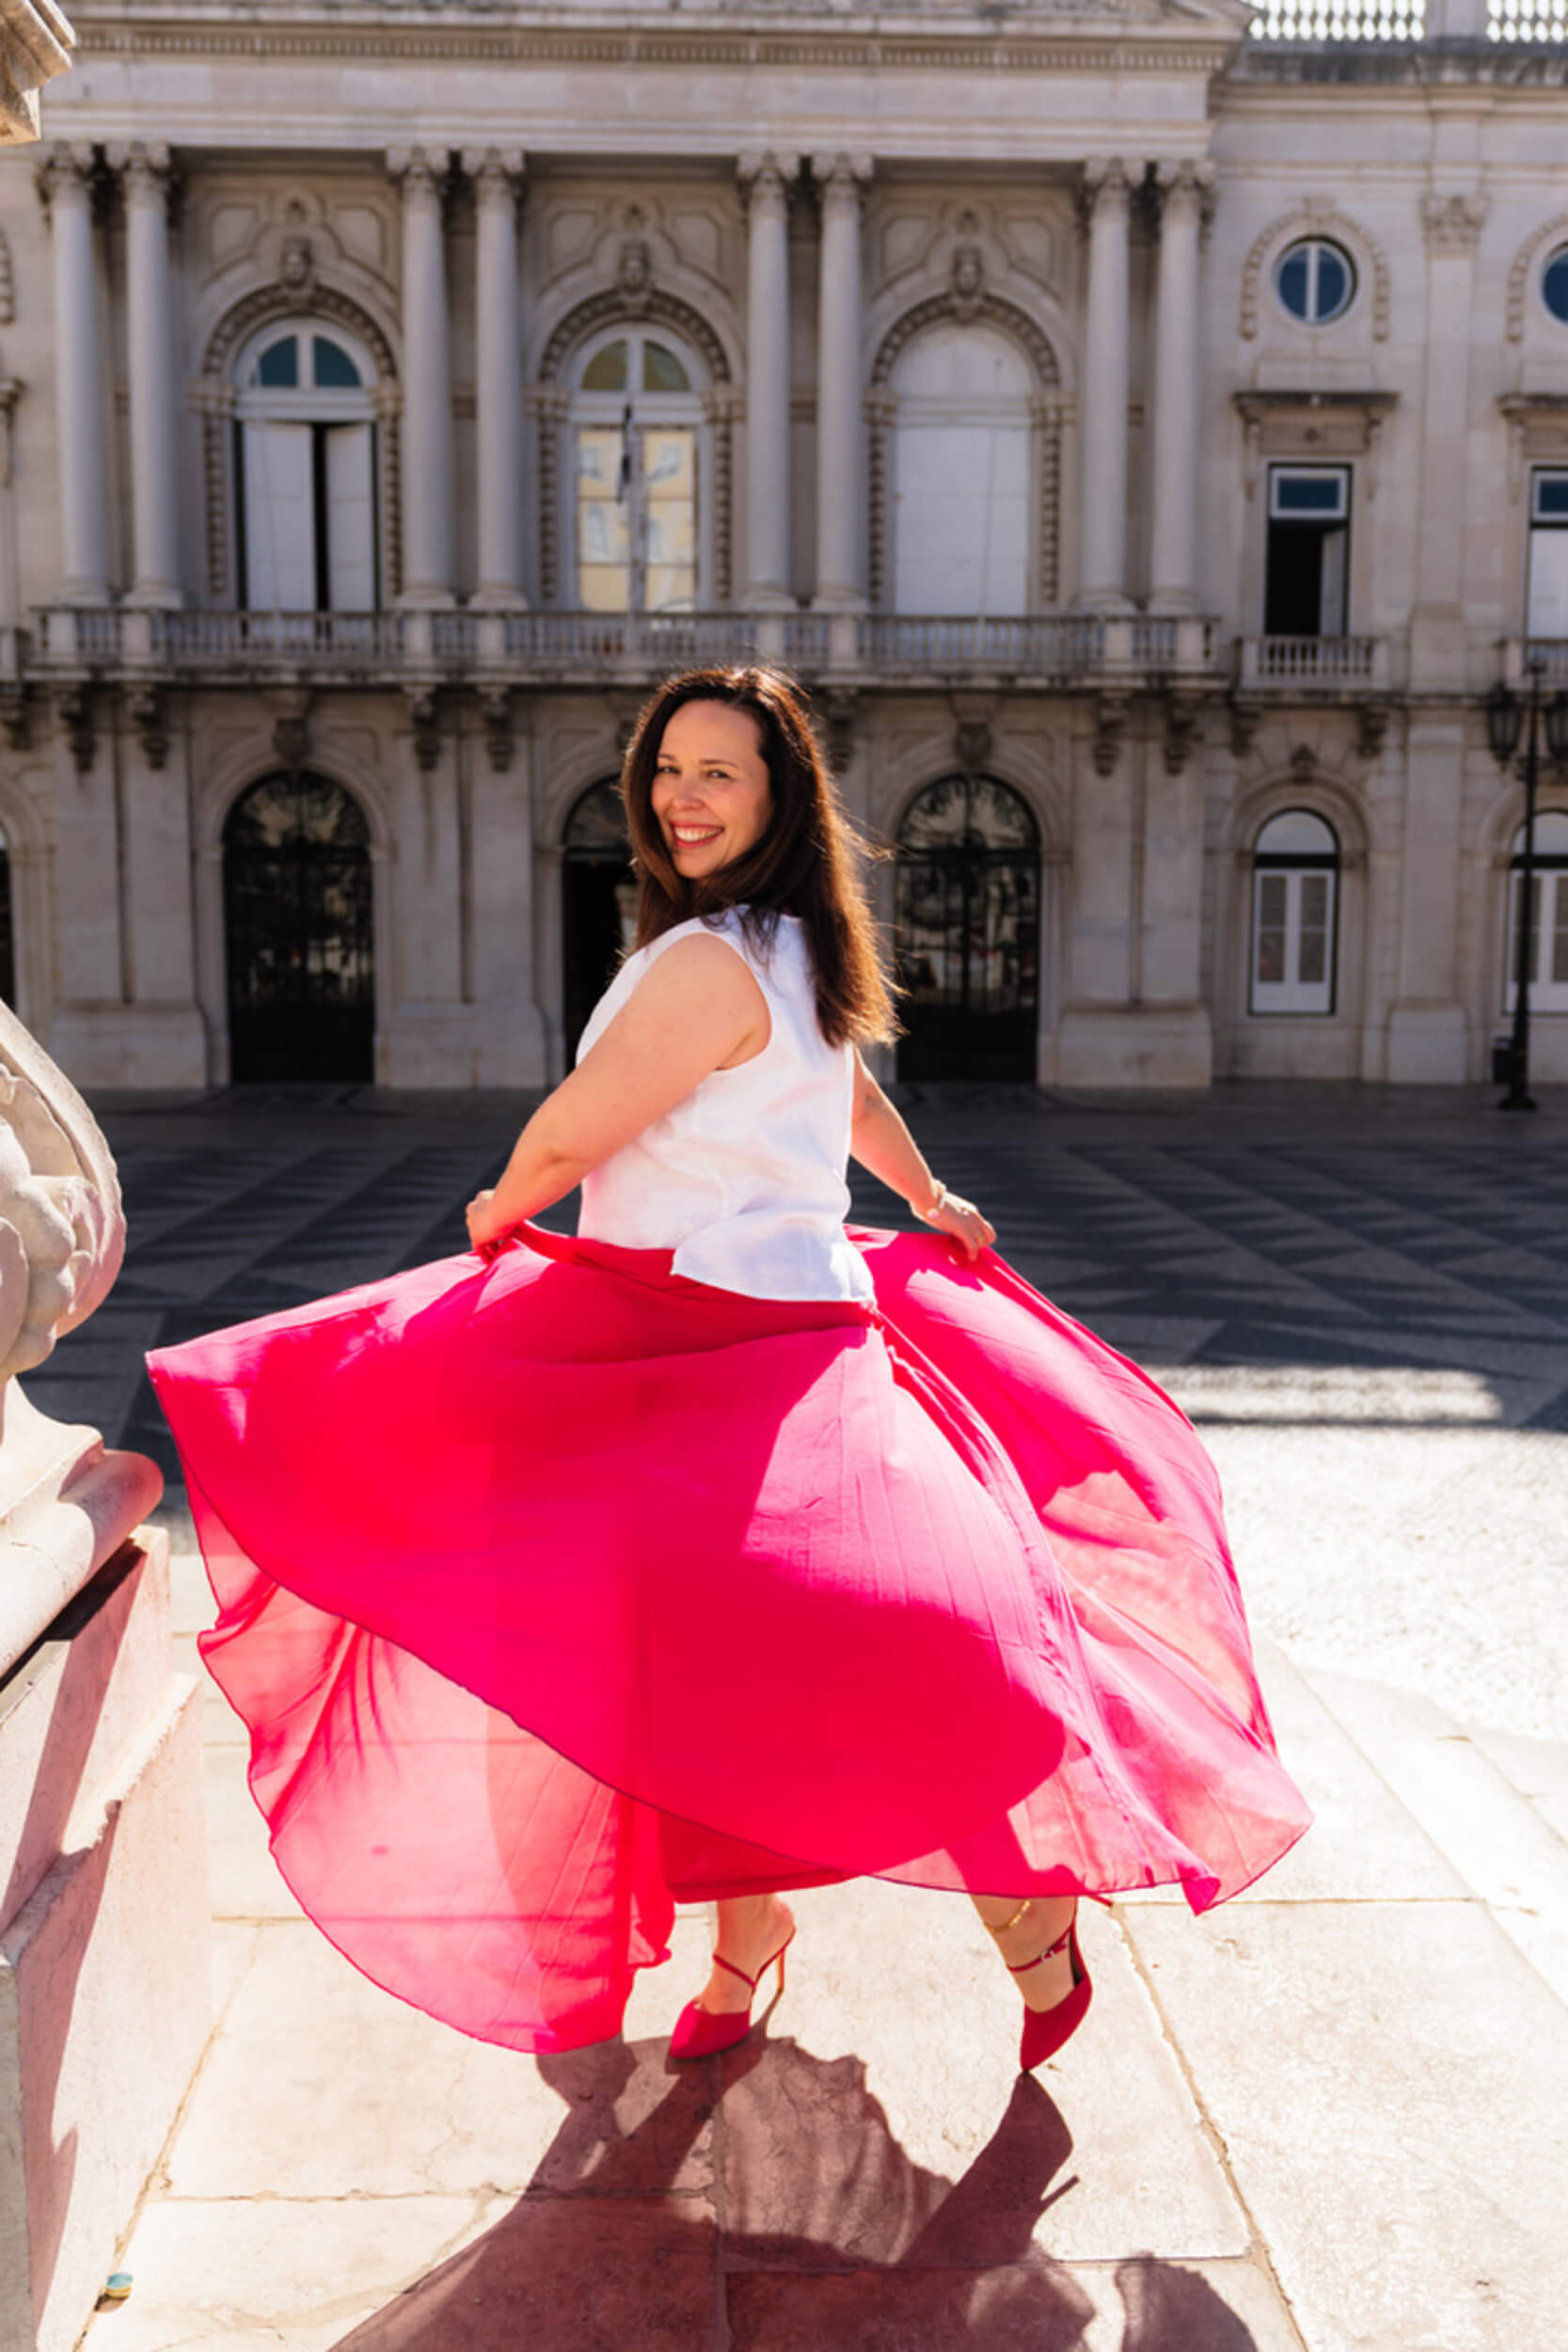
[
  {"x": 297, "y": 910},
  {"x": 967, "y": 920}
]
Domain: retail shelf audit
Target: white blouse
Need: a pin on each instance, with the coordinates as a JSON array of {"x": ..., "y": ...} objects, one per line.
[{"x": 744, "y": 1181}]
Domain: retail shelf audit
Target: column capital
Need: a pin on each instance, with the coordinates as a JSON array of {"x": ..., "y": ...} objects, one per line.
[
  {"x": 1183, "y": 187},
  {"x": 1106, "y": 185},
  {"x": 67, "y": 174},
  {"x": 145, "y": 171},
  {"x": 841, "y": 178},
  {"x": 764, "y": 178},
  {"x": 422, "y": 170},
  {"x": 498, "y": 173}
]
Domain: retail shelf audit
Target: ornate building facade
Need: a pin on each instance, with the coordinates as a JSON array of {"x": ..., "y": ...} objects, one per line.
[{"x": 1148, "y": 438}]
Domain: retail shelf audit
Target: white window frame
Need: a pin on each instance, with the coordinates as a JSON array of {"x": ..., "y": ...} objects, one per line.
[
  {"x": 1292, "y": 998},
  {"x": 1546, "y": 566},
  {"x": 1547, "y": 995},
  {"x": 649, "y": 409},
  {"x": 258, "y": 406},
  {"x": 1285, "y": 469}
]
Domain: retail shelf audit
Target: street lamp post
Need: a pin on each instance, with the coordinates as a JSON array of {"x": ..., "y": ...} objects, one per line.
[{"x": 1503, "y": 719}]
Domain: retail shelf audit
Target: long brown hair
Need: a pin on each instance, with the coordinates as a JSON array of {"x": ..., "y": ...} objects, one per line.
[{"x": 807, "y": 862}]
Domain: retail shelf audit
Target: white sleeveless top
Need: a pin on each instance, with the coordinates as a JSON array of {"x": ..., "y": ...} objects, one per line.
[{"x": 745, "y": 1179}]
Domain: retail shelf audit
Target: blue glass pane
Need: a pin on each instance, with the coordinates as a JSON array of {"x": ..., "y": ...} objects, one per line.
[
  {"x": 335, "y": 371},
  {"x": 1554, "y": 285},
  {"x": 1307, "y": 494},
  {"x": 1292, "y": 282},
  {"x": 279, "y": 365},
  {"x": 1551, "y": 494},
  {"x": 1333, "y": 282}
]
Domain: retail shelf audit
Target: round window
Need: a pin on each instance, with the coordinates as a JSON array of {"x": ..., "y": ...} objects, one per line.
[
  {"x": 1554, "y": 284},
  {"x": 1315, "y": 281}
]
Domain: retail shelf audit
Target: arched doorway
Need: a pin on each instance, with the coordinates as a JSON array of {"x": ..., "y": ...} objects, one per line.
[
  {"x": 298, "y": 916},
  {"x": 598, "y": 902},
  {"x": 966, "y": 914}
]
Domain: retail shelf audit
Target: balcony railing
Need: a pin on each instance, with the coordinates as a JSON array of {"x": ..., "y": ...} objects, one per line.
[
  {"x": 1336, "y": 665},
  {"x": 1551, "y": 652},
  {"x": 436, "y": 642}
]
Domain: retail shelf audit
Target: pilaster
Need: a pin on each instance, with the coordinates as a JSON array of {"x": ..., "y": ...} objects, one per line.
[
  {"x": 498, "y": 178},
  {"x": 765, "y": 179},
  {"x": 1107, "y": 195},
  {"x": 426, "y": 438}
]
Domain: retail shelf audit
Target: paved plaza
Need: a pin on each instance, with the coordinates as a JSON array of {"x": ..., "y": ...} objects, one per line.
[{"x": 1326, "y": 2119}]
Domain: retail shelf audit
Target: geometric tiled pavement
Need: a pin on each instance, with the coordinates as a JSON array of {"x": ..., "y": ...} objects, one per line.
[{"x": 1267, "y": 1225}]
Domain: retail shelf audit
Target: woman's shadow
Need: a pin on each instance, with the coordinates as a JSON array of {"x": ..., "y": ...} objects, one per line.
[{"x": 762, "y": 2202}]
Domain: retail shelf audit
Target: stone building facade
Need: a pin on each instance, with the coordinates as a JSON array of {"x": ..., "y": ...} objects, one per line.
[{"x": 1148, "y": 438}]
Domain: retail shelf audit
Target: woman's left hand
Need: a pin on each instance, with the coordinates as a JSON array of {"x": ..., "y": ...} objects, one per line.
[
  {"x": 963, "y": 1222},
  {"x": 481, "y": 1226}
]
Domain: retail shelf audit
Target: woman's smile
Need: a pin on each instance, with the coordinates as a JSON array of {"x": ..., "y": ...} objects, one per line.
[{"x": 711, "y": 798}]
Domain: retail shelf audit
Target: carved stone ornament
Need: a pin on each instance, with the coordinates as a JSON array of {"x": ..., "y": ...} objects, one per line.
[
  {"x": 297, "y": 265},
  {"x": 64, "y": 1502},
  {"x": 1453, "y": 223},
  {"x": 36, "y": 42},
  {"x": 634, "y": 269},
  {"x": 1183, "y": 730},
  {"x": 1371, "y": 727},
  {"x": 968, "y": 279},
  {"x": 77, "y": 718},
  {"x": 495, "y": 713},
  {"x": 1245, "y": 719},
  {"x": 425, "y": 726},
  {"x": 144, "y": 708},
  {"x": 1110, "y": 726}
]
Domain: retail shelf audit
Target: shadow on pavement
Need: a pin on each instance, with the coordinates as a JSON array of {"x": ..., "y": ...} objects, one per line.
[{"x": 763, "y": 2204}]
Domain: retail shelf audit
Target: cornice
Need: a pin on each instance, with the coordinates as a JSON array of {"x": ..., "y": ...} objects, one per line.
[{"x": 1085, "y": 40}]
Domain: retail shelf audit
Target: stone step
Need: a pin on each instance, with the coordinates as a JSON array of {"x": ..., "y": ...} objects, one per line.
[{"x": 1465, "y": 1792}]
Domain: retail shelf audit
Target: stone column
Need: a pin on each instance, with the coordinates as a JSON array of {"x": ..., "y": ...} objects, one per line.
[
  {"x": 67, "y": 183},
  {"x": 426, "y": 438},
  {"x": 840, "y": 393},
  {"x": 1172, "y": 552},
  {"x": 1102, "y": 399},
  {"x": 498, "y": 376},
  {"x": 767, "y": 384},
  {"x": 154, "y": 391}
]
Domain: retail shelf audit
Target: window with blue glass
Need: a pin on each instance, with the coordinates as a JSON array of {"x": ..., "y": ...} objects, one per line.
[
  {"x": 1554, "y": 284},
  {"x": 1315, "y": 281},
  {"x": 1547, "y": 588}
]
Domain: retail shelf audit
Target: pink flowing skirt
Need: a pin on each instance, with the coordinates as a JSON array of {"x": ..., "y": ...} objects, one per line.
[{"x": 557, "y": 1589}]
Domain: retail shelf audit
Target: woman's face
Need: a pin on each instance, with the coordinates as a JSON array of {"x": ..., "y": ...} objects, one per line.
[{"x": 711, "y": 797}]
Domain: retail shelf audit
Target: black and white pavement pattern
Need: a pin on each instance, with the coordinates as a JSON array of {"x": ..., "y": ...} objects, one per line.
[{"x": 1361, "y": 1296}]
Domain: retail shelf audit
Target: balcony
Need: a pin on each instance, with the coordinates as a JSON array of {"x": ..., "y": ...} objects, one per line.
[
  {"x": 1336, "y": 668},
  {"x": 493, "y": 648},
  {"x": 1551, "y": 652}
]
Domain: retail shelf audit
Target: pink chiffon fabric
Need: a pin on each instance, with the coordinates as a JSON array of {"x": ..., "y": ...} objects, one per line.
[{"x": 556, "y": 1589}]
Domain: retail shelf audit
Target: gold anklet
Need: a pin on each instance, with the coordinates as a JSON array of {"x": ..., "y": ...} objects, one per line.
[{"x": 1007, "y": 1924}]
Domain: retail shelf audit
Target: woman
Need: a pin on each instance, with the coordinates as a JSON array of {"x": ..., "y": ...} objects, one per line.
[{"x": 715, "y": 1553}]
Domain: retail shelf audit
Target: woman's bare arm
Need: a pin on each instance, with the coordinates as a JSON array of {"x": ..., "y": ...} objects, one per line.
[
  {"x": 697, "y": 1009},
  {"x": 882, "y": 1143}
]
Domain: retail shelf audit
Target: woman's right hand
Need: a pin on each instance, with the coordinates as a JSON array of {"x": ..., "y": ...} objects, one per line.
[{"x": 963, "y": 1222}]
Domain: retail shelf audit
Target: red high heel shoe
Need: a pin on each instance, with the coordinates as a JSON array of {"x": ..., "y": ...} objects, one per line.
[
  {"x": 698, "y": 2032},
  {"x": 1046, "y": 2029}
]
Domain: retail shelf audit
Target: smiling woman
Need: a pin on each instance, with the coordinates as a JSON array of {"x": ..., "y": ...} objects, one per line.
[{"x": 719, "y": 1550}]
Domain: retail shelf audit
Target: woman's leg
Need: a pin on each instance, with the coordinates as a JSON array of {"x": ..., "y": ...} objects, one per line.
[
  {"x": 1020, "y": 1935},
  {"x": 751, "y": 1930}
]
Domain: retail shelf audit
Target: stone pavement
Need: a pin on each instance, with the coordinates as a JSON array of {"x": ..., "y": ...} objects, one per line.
[{"x": 1325, "y": 2119}]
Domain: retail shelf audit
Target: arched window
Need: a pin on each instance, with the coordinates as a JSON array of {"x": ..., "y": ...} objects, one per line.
[
  {"x": 962, "y": 474},
  {"x": 637, "y": 471},
  {"x": 305, "y": 466},
  {"x": 1548, "y": 978},
  {"x": 599, "y": 911},
  {"x": 967, "y": 917},
  {"x": 297, "y": 909},
  {"x": 1295, "y": 895},
  {"x": 7, "y": 933}
]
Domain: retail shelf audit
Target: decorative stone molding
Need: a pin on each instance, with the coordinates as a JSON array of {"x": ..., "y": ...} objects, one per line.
[
  {"x": 1104, "y": 185},
  {"x": 425, "y": 723},
  {"x": 882, "y": 407},
  {"x": 16, "y": 718},
  {"x": 1184, "y": 729},
  {"x": 75, "y": 708},
  {"x": 634, "y": 267},
  {"x": 1537, "y": 429},
  {"x": 498, "y": 173},
  {"x": 1317, "y": 217},
  {"x": 213, "y": 397},
  {"x": 35, "y": 43},
  {"x": 7, "y": 283},
  {"x": 966, "y": 268},
  {"x": 1245, "y": 719},
  {"x": 1312, "y": 425},
  {"x": 1111, "y": 713},
  {"x": 144, "y": 710},
  {"x": 1183, "y": 187},
  {"x": 1553, "y": 232},
  {"x": 1372, "y": 728},
  {"x": 838, "y": 708},
  {"x": 495, "y": 716},
  {"x": 71, "y": 169},
  {"x": 1453, "y": 223},
  {"x": 291, "y": 730}
]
